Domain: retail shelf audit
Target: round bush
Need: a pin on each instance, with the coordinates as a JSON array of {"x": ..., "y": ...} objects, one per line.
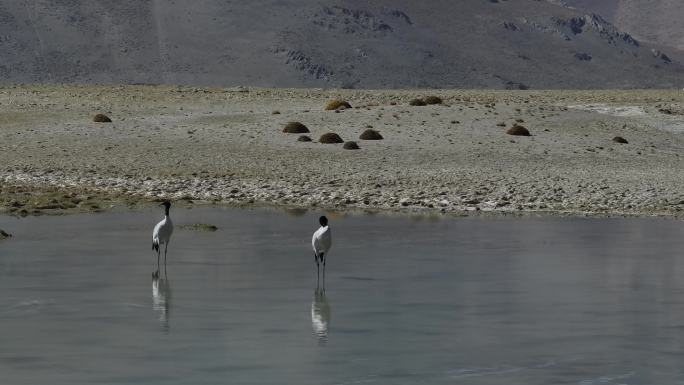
[
  {"x": 101, "y": 118},
  {"x": 621, "y": 140},
  {"x": 417, "y": 102},
  {"x": 295, "y": 128},
  {"x": 371, "y": 135},
  {"x": 518, "y": 130},
  {"x": 303, "y": 138},
  {"x": 350, "y": 146},
  {"x": 330, "y": 138}
]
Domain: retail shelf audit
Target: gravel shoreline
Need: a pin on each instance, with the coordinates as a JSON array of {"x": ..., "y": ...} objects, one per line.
[{"x": 225, "y": 147}]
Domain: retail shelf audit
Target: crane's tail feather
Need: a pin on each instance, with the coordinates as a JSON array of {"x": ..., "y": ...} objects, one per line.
[{"x": 155, "y": 246}]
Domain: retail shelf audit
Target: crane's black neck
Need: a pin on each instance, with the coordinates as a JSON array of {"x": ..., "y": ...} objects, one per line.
[{"x": 166, "y": 211}]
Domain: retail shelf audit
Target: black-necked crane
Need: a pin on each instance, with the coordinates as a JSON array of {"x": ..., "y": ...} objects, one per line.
[
  {"x": 321, "y": 242},
  {"x": 162, "y": 235}
]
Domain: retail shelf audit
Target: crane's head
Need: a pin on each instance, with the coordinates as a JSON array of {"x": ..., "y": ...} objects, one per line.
[{"x": 323, "y": 221}]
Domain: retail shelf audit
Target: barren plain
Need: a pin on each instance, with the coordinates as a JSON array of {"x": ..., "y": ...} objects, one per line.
[{"x": 200, "y": 146}]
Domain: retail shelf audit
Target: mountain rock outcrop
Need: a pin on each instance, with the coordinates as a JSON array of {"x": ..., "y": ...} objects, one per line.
[{"x": 344, "y": 44}]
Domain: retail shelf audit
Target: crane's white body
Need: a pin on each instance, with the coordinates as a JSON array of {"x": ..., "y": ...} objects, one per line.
[
  {"x": 321, "y": 242},
  {"x": 162, "y": 232}
]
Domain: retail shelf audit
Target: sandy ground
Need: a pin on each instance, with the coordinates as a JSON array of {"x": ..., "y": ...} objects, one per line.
[{"x": 226, "y": 146}]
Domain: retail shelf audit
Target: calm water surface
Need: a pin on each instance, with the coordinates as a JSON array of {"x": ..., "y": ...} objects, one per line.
[{"x": 407, "y": 301}]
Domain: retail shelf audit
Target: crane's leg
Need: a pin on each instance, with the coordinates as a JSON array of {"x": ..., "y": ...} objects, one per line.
[
  {"x": 157, "y": 272},
  {"x": 324, "y": 259},
  {"x": 318, "y": 268},
  {"x": 166, "y": 247}
]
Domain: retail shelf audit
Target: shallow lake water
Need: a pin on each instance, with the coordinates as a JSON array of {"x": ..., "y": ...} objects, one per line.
[{"x": 407, "y": 301}]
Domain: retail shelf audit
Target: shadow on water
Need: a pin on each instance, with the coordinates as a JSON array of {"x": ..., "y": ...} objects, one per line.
[
  {"x": 161, "y": 300},
  {"x": 320, "y": 315}
]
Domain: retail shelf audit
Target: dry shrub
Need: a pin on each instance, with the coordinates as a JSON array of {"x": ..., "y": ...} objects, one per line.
[
  {"x": 295, "y": 128},
  {"x": 518, "y": 130},
  {"x": 433, "y": 100},
  {"x": 330, "y": 138},
  {"x": 304, "y": 138},
  {"x": 336, "y": 105},
  {"x": 371, "y": 135},
  {"x": 417, "y": 102},
  {"x": 101, "y": 118},
  {"x": 350, "y": 146},
  {"x": 621, "y": 140}
]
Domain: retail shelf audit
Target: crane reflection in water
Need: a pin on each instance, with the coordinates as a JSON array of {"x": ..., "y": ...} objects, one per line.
[
  {"x": 161, "y": 300},
  {"x": 320, "y": 315}
]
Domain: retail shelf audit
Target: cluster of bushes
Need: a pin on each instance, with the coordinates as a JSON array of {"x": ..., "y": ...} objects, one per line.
[{"x": 330, "y": 137}]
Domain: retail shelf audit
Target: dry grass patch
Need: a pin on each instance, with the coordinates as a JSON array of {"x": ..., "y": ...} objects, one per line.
[{"x": 199, "y": 227}]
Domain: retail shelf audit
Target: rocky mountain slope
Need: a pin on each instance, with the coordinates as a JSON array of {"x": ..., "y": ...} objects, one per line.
[
  {"x": 654, "y": 21},
  {"x": 499, "y": 44}
]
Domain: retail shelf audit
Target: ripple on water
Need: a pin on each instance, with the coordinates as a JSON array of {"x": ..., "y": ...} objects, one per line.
[
  {"x": 15, "y": 307},
  {"x": 608, "y": 379},
  {"x": 496, "y": 370}
]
